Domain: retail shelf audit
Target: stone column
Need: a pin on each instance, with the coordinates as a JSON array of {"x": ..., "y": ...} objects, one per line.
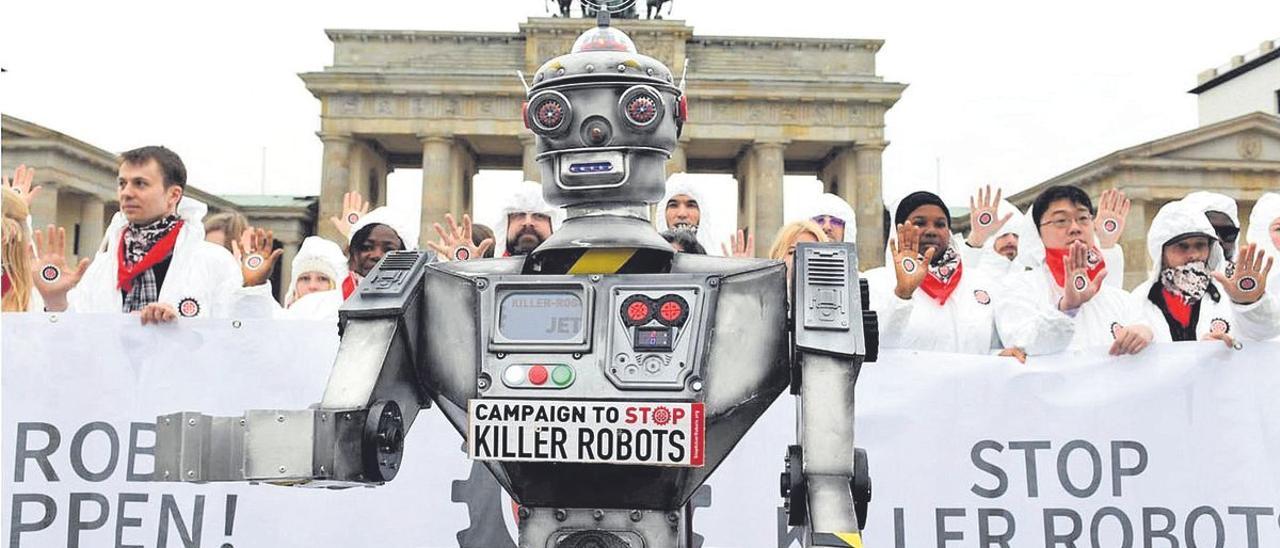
[
  {"x": 532, "y": 172},
  {"x": 746, "y": 194},
  {"x": 679, "y": 162},
  {"x": 92, "y": 224},
  {"x": 438, "y": 182},
  {"x": 868, "y": 202},
  {"x": 1134, "y": 242},
  {"x": 766, "y": 183},
  {"x": 335, "y": 180},
  {"x": 285, "y": 266},
  {"x": 44, "y": 211}
]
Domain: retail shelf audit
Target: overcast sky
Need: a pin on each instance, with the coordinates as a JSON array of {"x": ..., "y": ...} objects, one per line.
[{"x": 1002, "y": 92}]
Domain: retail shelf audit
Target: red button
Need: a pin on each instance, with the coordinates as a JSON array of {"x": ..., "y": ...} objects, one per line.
[
  {"x": 538, "y": 374},
  {"x": 671, "y": 311}
]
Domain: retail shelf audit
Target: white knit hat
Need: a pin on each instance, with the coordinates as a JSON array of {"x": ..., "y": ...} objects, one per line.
[{"x": 317, "y": 255}]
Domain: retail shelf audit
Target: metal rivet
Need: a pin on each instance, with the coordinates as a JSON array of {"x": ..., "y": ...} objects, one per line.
[
  {"x": 598, "y": 514},
  {"x": 636, "y": 515},
  {"x": 235, "y": 324},
  {"x": 322, "y": 471},
  {"x": 673, "y": 518},
  {"x": 241, "y": 422},
  {"x": 524, "y": 513},
  {"x": 282, "y": 469},
  {"x": 191, "y": 422},
  {"x": 622, "y": 68},
  {"x": 166, "y": 473},
  {"x": 577, "y": 355},
  {"x": 481, "y": 283},
  {"x": 53, "y": 318},
  {"x": 483, "y": 382},
  {"x": 713, "y": 282},
  {"x": 166, "y": 420},
  {"x": 595, "y": 277},
  {"x": 538, "y": 77},
  {"x": 560, "y": 71},
  {"x": 649, "y": 71},
  {"x": 591, "y": 68},
  {"x": 279, "y": 418},
  {"x": 696, "y": 385},
  {"x": 561, "y": 515},
  {"x": 191, "y": 473}
]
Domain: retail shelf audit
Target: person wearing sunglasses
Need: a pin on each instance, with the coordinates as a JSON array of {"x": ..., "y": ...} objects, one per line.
[{"x": 1224, "y": 215}]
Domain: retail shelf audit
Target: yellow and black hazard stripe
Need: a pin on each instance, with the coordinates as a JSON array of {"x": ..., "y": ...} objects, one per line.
[
  {"x": 838, "y": 539},
  {"x": 604, "y": 260}
]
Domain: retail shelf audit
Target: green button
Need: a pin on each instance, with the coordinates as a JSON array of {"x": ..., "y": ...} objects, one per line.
[{"x": 562, "y": 375}]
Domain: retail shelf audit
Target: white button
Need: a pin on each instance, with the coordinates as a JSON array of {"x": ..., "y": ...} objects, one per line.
[{"x": 514, "y": 376}]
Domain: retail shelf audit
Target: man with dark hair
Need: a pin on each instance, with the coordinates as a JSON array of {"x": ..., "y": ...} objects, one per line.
[
  {"x": 155, "y": 260},
  {"x": 925, "y": 296},
  {"x": 1063, "y": 302}
]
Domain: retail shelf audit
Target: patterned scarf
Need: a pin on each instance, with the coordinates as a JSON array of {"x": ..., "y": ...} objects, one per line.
[
  {"x": 136, "y": 244},
  {"x": 1189, "y": 281},
  {"x": 943, "y": 277}
]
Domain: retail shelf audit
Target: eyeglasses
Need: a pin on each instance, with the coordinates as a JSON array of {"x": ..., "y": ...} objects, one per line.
[
  {"x": 835, "y": 221},
  {"x": 1064, "y": 223}
]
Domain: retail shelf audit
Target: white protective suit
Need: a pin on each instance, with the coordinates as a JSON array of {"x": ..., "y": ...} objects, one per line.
[
  {"x": 987, "y": 260},
  {"x": 1258, "y": 321},
  {"x": 203, "y": 279},
  {"x": 1265, "y": 212},
  {"x": 1027, "y": 314},
  {"x": 835, "y": 206},
  {"x": 526, "y": 198},
  {"x": 316, "y": 255},
  {"x": 963, "y": 324},
  {"x": 403, "y": 227},
  {"x": 680, "y": 183},
  {"x": 1204, "y": 202}
]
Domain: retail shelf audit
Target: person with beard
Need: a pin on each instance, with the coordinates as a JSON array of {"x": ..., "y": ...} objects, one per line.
[
  {"x": 835, "y": 217},
  {"x": 527, "y": 220},
  {"x": 374, "y": 235},
  {"x": 683, "y": 241},
  {"x": 1188, "y": 299},
  {"x": 155, "y": 260},
  {"x": 1063, "y": 302},
  {"x": 1224, "y": 215},
  {"x": 924, "y": 296}
]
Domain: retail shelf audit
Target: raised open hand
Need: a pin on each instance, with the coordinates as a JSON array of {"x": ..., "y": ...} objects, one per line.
[
  {"x": 909, "y": 266},
  {"x": 1113, "y": 208},
  {"x": 53, "y": 279},
  {"x": 21, "y": 183},
  {"x": 1248, "y": 282},
  {"x": 456, "y": 242},
  {"x": 255, "y": 255},
  {"x": 353, "y": 208},
  {"x": 983, "y": 219},
  {"x": 1077, "y": 287},
  {"x": 740, "y": 245}
]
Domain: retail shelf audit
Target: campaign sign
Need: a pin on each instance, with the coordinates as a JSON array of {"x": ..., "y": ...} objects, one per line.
[{"x": 648, "y": 433}]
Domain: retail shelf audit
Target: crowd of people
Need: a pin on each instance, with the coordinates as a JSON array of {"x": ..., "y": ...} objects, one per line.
[{"x": 1019, "y": 284}]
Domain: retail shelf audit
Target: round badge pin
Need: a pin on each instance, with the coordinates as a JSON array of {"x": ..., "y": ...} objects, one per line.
[
  {"x": 461, "y": 253},
  {"x": 1110, "y": 226},
  {"x": 1219, "y": 326},
  {"x": 982, "y": 296},
  {"x": 1247, "y": 283},
  {"x": 352, "y": 218},
  {"x": 909, "y": 265},
  {"x": 188, "y": 308},
  {"x": 1080, "y": 282},
  {"x": 254, "y": 261},
  {"x": 50, "y": 273},
  {"x": 985, "y": 218}
]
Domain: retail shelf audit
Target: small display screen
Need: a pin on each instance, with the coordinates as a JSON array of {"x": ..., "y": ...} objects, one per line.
[
  {"x": 653, "y": 338},
  {"x": 541, "y": 316}
]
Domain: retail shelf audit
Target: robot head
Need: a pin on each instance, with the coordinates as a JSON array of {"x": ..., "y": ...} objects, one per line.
[{"x": 606, "y": 120}]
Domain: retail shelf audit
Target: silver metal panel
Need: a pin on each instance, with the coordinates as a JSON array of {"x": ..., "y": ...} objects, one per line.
[
  {"x": 361, "y": 355},
  {"x": 279, "y": 444}
]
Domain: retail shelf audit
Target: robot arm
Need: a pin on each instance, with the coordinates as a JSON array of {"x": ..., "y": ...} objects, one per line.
[
  {"x": 355, "y": 434},
  {"x": 825, "y": 482}
]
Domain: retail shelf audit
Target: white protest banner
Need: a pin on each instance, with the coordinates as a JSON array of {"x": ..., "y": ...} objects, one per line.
[{"x": 1173, "y": 448}]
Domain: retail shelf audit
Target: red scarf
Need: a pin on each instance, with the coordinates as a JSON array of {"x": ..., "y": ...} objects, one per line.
[
  {"x": 349, "y": 285},
  {"x": 1053, "y": 259},
  {"x": 158, "y": 252},
  {"x": 939, "y": 290},
  {"x": 6, "y": 283},
  {"x": 1177, "y": 307}
]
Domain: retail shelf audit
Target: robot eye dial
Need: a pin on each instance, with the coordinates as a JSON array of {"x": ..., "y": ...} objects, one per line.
[
  {"x": 641, "y": 107},
  {"x": 549, "y": 113}
]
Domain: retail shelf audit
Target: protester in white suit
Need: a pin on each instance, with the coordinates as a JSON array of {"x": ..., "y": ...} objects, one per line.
[
  {"x": 315, "y": 292},
  {"x": 1063, "y": 302},
  {"x": 1187, "y": 298},
  {"x": 926, "y": 296},
  {"x": 683, "y": 208},
  {"x": 154, "y": 259}
]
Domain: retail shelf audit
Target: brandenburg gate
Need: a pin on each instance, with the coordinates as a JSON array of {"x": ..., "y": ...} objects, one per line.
[{"x": 450, "y": 103}]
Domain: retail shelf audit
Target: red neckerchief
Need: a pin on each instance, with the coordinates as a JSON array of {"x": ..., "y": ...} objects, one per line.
[
  {"x": 938, "y": 290},
  {"x": 1178, "y": 308},
  {"x": 6, "y": 283},
  {"x": 349, "y": 285},
  {"x": 1053, "y": 259},
  {"x": 158, "y": 252}
]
